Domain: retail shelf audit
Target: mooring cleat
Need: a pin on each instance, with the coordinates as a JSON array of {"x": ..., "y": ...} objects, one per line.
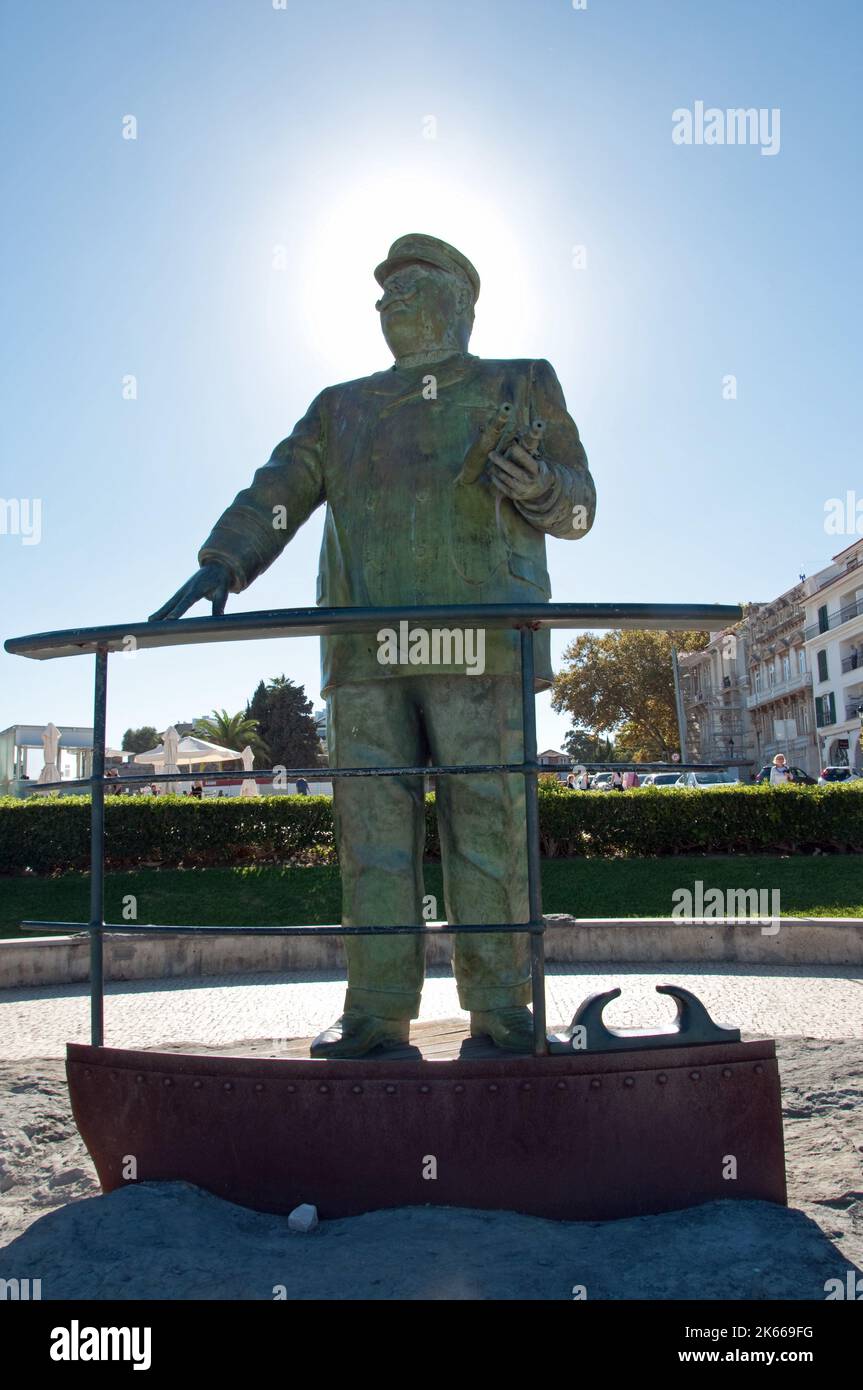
[
  {"x": 511, "y": 1028},
  {"x": 588, "y": 1031},
  {"x": 356, "y": 1034}
]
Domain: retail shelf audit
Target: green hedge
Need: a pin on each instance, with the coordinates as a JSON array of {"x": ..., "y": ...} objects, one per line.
[
  {"x": 739, "y": 820},
  {"x": 51, "y": 834}
]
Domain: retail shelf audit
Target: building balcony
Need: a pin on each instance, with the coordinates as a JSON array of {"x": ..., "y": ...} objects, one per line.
[
  {"x": 850, "y": 715},
  {"x": 846, "y": 613},
  {"x": 775, "y": 692}
]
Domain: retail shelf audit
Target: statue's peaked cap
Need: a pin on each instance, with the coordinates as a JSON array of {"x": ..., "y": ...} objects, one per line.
[{"x": 416, "y": 246}]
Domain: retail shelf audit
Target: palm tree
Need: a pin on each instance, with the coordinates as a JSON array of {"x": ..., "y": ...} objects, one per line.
[{"x": 233, "y": 731}]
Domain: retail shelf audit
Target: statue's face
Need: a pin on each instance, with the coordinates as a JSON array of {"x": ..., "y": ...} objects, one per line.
[{"x": 424, "y": 308}]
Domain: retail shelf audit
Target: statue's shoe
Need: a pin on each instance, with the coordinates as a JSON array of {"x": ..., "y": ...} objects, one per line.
[
  {"x": 355, "y": 1034},
  {"x": 510, "y": 1028}
]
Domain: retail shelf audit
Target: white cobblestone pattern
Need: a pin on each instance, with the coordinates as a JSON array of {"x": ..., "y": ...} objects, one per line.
[{"x": 794, "y": 1001}]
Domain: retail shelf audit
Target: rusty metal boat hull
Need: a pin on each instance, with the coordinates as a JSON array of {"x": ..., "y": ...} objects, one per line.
[{"x": 591, "y": 1136}]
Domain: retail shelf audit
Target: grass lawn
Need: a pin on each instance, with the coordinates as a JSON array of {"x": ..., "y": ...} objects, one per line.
[{"x": 810, "y": 886}]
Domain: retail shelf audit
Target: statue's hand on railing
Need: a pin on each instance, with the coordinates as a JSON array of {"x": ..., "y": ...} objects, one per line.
[{"x": 211, "y": 581}]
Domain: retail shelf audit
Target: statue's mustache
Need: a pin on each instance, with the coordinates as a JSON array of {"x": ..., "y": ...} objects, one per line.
[{"x": 387, "y": 301}]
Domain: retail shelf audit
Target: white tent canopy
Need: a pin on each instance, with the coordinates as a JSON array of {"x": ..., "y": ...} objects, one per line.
[{"x": 189, "y": 750}]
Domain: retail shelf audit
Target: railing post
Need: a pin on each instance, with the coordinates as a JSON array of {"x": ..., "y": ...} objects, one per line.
[
  {"x": 534, "y": 886},
  {"x": 97, "y": 851}
]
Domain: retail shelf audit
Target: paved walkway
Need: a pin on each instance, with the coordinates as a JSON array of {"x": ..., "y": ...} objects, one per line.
[{"x": 793, "y": 1001}]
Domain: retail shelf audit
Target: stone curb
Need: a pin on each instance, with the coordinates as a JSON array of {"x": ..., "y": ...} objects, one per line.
[{"x": 61, "y": 960}]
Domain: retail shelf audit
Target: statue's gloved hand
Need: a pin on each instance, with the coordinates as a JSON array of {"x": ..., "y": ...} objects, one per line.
[
  {"x": 211, "y": 581},
  {"x": 520, "y": 475}
]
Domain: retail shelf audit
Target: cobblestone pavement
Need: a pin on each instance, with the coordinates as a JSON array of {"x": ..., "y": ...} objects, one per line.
[{"x": 802, "y": 1001}]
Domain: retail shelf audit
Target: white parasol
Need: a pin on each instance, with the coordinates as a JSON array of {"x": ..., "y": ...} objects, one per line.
[
  {"x": 250, "y": 786},
  {"x": 50, "y": 745},
  {"x": 171, "y": 749},
  {"x": 190, "y": 751}
]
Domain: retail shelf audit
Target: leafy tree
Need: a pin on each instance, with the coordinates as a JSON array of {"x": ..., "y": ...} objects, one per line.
[
  {"x": 139, "y": 740},
  {"x": 584, "y": 746},
  {"x": 284, "y": 715},
  {"x": 258, "y": 706},
  {"x": 623, "y": 682},
  {"x": 234, "y": 731}
]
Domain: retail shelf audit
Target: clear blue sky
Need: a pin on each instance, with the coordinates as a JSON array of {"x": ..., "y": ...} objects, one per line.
[{"x": 305, "y": 129}]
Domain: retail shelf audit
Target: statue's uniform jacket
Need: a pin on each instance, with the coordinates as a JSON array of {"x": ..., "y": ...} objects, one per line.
[{"x": 384, "y": 454}]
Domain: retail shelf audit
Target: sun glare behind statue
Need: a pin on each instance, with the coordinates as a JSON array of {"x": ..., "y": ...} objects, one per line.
[{"x": 340, "y": 326}]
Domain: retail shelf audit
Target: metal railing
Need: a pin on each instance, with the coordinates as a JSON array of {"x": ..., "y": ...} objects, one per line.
[
  {"x": 847, "y": 611},
  {"x": 326, "y": 622},
  {"x": 796, "y": 682}
]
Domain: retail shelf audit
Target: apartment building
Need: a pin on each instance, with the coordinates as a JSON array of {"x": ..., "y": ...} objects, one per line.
[
  {"x": 714, "y": 687},
  {"x": 834, "y": 653},
  {"x": 748, "y": 694},
  {"x": 779, "y": 701}
]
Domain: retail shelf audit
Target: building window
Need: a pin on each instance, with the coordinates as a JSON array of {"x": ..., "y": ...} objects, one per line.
[
  {"x": 822, "y": 666},
  {"x": 757, "y": 679},
  {"x": 823, "y": 620},
  {"x": 786, "y": 668},
  {"x": 771, "y": 675},
  {"x": 801, "y": 660},
  {"x": 825, "y": 710}
]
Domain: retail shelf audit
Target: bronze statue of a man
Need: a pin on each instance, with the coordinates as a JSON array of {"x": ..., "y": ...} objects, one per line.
[{"x": 441, "y": 478}]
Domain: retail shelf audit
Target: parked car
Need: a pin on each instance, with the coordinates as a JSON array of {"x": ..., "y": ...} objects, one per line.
[
  {"x": 796, "y": 775},
  {"x": 660, "y": 779},
  {"x": 600, "y": 782},
  {"x": 706, "y": 781},
  {"x": 840, "y": 773}
]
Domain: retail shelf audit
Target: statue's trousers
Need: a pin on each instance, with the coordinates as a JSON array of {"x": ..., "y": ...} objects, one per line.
[{"x": 380, "y": 832}]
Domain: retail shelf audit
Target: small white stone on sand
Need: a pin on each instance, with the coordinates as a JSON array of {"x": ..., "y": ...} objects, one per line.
[{"x": 303, "y": 1218}]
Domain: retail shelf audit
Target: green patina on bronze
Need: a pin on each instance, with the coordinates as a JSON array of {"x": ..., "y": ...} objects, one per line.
[{"x": 441, "y": 478}]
